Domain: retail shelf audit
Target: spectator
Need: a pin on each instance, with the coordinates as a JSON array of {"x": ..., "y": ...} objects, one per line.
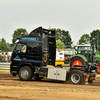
[
  {"x": 1, "y": 56},
  {"x": 69, "y": 59},
  {"x": 9, "y": 57},
  {"x": 66, "y": 60},
  {"x": 4, "y": 58}
]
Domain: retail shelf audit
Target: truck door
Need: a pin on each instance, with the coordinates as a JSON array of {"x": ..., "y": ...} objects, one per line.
[{"x": 34, "y": 53}]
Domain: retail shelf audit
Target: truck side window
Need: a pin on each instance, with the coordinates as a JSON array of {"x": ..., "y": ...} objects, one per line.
[
  {"x": 32, "y": 48},
  {"x": 21, "y": 48}
]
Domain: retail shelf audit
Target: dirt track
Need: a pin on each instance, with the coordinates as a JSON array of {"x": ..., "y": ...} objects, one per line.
[{"x": 11, "y": 88}]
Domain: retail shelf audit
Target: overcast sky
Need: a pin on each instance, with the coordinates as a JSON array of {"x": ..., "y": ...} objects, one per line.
[{"x": 77, "y": 16}]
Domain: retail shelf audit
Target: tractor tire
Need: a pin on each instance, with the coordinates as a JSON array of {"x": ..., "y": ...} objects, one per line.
[
  {"x": 76, "y": 77},
  {"x": 77, "y": 61},
  {"x": 98, "y": 70},
  {"x": 25, "y": 73}
]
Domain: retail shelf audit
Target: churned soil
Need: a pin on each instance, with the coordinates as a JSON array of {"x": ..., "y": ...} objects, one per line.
[{"x": 12, "y": 88}]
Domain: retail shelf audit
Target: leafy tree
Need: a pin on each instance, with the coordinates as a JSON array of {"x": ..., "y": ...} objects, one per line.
[
  {"x": 3, "y": 45},
  {"x": 17, "y": 33},
  {"x": 59, "y": 43},
  {"x": 64, "y": 36},
  {"x": 95, "y": 39},
  {"x": 84, "y": 38}
]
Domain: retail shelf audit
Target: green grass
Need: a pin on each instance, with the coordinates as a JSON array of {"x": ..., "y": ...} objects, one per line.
[{"x": 4, "y": 69}]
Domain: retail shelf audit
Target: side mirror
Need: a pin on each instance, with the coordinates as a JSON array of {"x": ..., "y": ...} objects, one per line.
[{"x": 75, "y": 47}]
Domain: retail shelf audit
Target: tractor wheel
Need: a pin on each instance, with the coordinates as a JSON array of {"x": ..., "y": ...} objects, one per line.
[
  {"x": 76, "y": 61},
  {"x": 76, "y": 77},
  {"x": 98, "y": 70},
  {"x": 25, "y": 73}
]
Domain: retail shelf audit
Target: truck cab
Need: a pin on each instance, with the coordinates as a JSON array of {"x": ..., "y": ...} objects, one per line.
[{"x": 35, "y": 50}]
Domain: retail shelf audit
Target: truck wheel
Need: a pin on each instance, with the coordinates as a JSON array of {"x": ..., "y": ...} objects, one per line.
[
  {"x": 25, "y": 73},
  {"x": 98, "y": 70},
  {"x": 76, "y": 61},
  {"x": 76, "y": 77}
]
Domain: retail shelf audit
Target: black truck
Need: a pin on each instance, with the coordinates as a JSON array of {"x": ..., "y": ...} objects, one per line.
[{"x": 34, "y": 51}]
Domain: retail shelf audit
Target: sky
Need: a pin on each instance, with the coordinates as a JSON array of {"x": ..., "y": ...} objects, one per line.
[{"x": 76, "y": 16}]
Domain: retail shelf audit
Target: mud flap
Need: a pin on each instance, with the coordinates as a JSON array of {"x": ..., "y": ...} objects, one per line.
[
  {"x": 93, "y": 79},
  {"x": 86, "y": 78},
  {"x": 89, "y": 78}
]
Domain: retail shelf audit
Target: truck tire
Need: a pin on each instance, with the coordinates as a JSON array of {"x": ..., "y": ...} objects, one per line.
[
  {"x": 25, "y": 73},
  {"x": 98, "y": 70},
  {"x": 76, "y": 77},
  {"x": 77, "y": 61}
]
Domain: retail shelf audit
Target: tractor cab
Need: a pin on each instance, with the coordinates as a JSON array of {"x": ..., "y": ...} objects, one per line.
[{"x": 85, "y": 50}]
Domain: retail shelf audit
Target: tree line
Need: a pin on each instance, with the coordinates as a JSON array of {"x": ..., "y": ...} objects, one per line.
[
  {"x": 93, "y": 39},
  {"x": 63, "y": 39}
]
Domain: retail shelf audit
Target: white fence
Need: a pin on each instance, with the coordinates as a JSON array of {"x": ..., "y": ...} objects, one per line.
[{"x": 4, "y": 65}]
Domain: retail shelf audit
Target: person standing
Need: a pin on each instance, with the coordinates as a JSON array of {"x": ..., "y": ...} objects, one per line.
[{"x": 69, "y": 59}]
